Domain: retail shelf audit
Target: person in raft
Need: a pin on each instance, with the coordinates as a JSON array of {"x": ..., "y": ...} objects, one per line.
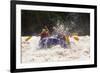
[
  {"x": 72, "y": 39},
  {"x": 44, "y": 33}
]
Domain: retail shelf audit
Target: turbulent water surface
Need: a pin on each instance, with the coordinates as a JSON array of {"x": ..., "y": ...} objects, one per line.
[{"x": 32, "y": 53}]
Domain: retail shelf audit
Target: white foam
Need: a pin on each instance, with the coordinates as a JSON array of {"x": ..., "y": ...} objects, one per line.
[{"x": 78, "y": 51}]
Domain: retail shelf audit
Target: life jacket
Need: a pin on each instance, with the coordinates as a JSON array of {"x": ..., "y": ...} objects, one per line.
[{"x": 44, "y": 34}]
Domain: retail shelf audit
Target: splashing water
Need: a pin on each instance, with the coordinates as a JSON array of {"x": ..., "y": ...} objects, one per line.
[{"x": 78, "y": 51}]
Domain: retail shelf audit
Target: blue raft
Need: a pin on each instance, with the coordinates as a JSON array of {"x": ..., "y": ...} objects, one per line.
[{"x": 52, "y": 41}]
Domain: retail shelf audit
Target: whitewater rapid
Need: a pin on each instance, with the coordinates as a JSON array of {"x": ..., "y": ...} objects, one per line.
[{"x": 31, "y": 52}]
